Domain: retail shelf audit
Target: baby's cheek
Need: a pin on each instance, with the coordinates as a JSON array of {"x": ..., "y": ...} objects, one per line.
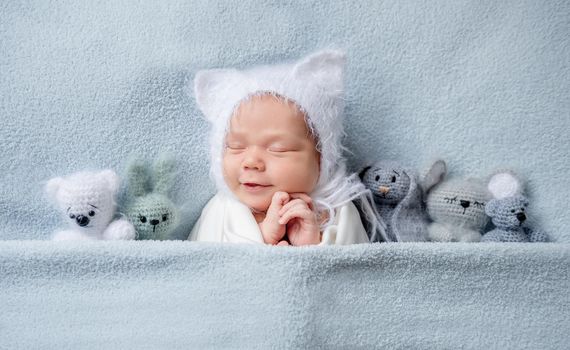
[{"x": 229, "y": 168}]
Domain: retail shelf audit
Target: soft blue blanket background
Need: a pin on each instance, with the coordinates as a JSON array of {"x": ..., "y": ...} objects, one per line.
[
  {"x": 182, "y": 295},
  {"x": 85, "y": 85}
]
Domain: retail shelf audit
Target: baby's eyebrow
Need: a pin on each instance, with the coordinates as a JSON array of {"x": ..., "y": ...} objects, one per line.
[
  {"x": 276, "y": 136},
  {"x": 235, "y": 134}
]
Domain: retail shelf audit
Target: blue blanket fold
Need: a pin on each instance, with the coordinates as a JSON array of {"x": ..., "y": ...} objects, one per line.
[{"x": 194, "y": 295}]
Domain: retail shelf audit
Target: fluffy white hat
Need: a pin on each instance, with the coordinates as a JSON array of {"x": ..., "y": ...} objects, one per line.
[{"x": 315, "y": 85}]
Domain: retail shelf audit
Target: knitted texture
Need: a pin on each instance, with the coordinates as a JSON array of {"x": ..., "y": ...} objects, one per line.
[
  {"x": 457, "y": 208},
  {"x": 398, "y": 199},
  {"x": 315, "y": 84},
  {"x": 149, "y": 208},
  {"x": 509, "y": 215},
  {"x": 87, "y": 202}
]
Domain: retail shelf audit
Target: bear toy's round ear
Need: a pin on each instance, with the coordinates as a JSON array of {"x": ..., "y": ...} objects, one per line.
[
  {"x": 112, "y": 180},
  {"x": 504, "y": 184},
  {"x": 53, "y": 186}
]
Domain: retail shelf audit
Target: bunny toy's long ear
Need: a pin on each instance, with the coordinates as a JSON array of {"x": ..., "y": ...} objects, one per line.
[
  {"x": 435, "y": 175},
  {"x": 164, "y": 174},
  {"x": 504, "y": 184},
  {"x": 138, "y": 177}
]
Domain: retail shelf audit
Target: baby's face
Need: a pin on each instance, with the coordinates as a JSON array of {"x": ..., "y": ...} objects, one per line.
[{"x": 269, "y": 149}]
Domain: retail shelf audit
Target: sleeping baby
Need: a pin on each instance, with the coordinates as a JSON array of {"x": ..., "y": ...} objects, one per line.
[{"x": 276, "y": 156}]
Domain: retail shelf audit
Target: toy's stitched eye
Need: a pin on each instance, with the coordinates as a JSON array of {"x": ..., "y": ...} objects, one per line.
[
  {"x": 393, "y": 179},
  {"x": 164, "y": 217},
  {"x": 478, "y": 204},
  {"x": 91, "y": 213},
  {"x": 512, "y": 210},
  {"x": 377, "y": 178},
  {"x": 71, "y": 216},
  {"x": 522, "y": 209},
  {"x": 142, "y": 219},
  {"x": 450, "y": 200}
]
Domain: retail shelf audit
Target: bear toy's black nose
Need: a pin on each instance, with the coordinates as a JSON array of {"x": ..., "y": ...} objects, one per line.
[
  {"x": 465, "y": 204},
  {"x": 154, "y": 222},
  {"x": 521, "y": 217},
  {"x": 82, "y": 220}
]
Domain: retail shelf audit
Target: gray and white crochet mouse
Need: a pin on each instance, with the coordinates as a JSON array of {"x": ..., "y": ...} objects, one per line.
[
  {"x": 508, "y": 211},
  {"x": 398, "y": 198},
  {"x": 456, "y": 206},
  {"x": 149, "y": 208}
]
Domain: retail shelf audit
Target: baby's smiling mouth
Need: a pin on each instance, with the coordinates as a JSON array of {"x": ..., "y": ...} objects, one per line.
[{"x": 253, "y": 187}]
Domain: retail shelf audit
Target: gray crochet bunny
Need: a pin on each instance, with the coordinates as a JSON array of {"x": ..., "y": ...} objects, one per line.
[
  {"x": 508, "y": 211},
  {"x": 149, "y": 209},
  {"x": 398, "y": 199},
  {"x": 456, "y": 206}
]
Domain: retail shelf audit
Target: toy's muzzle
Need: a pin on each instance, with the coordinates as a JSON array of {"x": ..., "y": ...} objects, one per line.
[{"x": 82, "y": 220}]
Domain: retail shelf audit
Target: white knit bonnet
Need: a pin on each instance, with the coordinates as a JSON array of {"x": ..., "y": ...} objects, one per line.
[{"x": 315, "y": 85}]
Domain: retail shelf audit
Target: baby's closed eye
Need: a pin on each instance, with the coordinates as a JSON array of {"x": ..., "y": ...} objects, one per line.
[
  {"x": 282, "y": 148},
  {"x": 235, "y": 146}
]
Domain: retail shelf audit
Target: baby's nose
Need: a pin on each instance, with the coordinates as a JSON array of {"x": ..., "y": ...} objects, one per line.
[{"x": 253, "y": 161}]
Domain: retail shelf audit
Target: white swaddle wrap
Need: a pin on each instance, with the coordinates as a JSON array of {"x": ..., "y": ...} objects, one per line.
[{"x": 225, "y": 219}]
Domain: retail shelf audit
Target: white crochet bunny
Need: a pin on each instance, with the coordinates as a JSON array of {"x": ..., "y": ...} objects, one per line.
[{"x": 87, "y": 201}]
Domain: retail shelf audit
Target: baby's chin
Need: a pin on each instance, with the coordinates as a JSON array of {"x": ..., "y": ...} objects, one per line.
[{"x": 259, "y": 205}]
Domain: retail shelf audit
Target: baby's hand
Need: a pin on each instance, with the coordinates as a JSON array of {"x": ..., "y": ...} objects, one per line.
[
  {"x": 271, "y": 230},
  {"x": 301, "y": 220}
]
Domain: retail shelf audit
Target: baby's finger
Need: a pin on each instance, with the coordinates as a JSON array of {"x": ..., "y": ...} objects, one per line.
[
  {"x": 304, "y": 197},
  {"x": 303, "y": 213},
  {"x": 278, "y": 200},
  {"x": 291, "y": 204}
]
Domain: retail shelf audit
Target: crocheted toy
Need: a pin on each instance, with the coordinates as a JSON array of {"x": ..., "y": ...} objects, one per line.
[
  {"x": 456, "y": 206},
  {"x": 87, "y": 201},
  {"x": 150, "y": 210},
  {"x": 398, "y": 199},
  {"x": 508, "y": 211}
]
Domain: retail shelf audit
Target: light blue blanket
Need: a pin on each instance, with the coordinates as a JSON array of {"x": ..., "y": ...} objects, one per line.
[
  {"x": 174, "y": 295},
  {"x": 84, "y": 85}
]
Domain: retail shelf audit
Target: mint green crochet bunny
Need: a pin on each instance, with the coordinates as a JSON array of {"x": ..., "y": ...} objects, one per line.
[{"x": 149, "y": 209}]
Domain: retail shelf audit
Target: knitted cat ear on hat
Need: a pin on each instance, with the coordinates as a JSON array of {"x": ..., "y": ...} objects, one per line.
[{"x": 314, "y": 84}]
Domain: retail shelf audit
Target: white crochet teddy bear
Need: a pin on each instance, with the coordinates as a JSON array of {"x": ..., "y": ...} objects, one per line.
[{"x": 87, "y": 201}]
